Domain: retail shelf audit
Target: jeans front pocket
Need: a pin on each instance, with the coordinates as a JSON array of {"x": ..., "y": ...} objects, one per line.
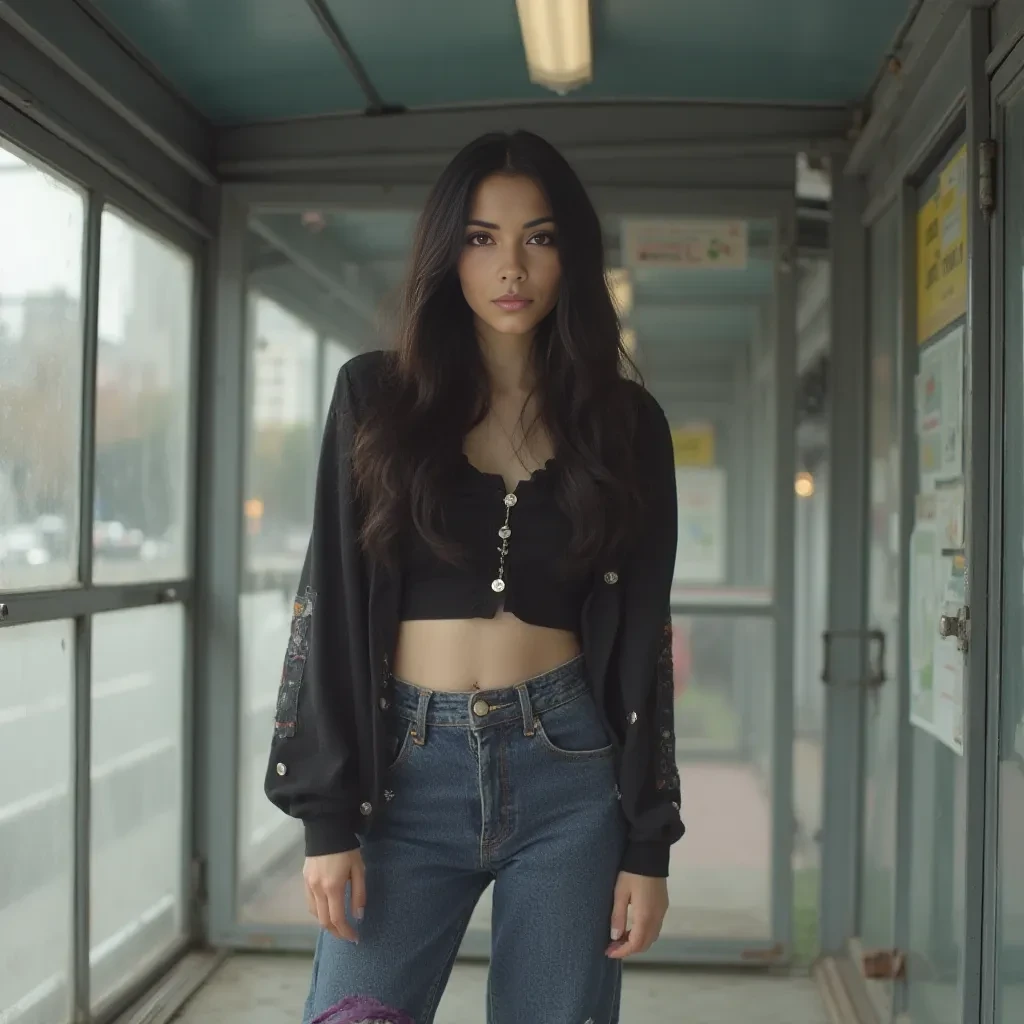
[
  {"x": 399, "y": 741},
  {"x": 574, "y": 730}
]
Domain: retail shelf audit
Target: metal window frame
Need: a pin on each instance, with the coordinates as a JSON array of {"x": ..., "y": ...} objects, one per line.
[
  {"x": 847, "y": 563},
  {"x": 81, "y": 601},
  {"x": 221, "y": 562}
]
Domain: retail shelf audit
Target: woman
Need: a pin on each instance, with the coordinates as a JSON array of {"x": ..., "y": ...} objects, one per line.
[{"x": 478, "y": 683}]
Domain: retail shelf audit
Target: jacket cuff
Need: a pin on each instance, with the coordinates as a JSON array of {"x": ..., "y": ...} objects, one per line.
[
  {"x": 328, "y": 835},
  {"x": 646, "y": 858}
]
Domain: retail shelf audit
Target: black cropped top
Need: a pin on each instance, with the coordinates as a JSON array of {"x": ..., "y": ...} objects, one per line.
[{"x": 514, "y": 541}]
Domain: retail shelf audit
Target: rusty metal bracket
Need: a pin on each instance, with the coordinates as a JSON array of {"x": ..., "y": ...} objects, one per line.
[{"x": 884, "y": 964}]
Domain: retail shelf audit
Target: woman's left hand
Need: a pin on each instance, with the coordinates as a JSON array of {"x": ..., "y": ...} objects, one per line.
[{"x": 649, "y": 900}]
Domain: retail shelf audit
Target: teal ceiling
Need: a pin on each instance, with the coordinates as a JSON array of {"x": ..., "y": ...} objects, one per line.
[{"x": 248, "y": 60}]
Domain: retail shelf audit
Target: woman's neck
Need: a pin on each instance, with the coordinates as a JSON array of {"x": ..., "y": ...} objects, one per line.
[{"x": 508, "y": 361}]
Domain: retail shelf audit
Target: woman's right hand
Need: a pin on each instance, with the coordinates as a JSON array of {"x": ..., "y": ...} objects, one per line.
[{"x": 326, "y": 878}]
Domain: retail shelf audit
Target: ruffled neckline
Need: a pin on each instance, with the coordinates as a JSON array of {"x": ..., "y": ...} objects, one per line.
[{"x": 540, "y": 474}]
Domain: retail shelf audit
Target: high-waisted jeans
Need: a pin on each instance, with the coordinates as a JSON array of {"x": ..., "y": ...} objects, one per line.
[{"x": 515, "y": 786}]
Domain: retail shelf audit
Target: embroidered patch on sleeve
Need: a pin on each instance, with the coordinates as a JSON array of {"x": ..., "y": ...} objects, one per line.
[
  {"x": 667, "y": 774},
  {"x": 294, "y": 665}
]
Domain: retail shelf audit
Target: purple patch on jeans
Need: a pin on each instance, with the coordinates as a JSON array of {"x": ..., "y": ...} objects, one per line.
[{"x": 362, "y": 1010}]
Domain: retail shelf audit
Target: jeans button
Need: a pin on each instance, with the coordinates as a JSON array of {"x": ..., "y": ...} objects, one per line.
[{"x": 480, "y": 708}]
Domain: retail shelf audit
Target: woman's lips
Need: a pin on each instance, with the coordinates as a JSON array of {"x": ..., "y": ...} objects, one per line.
[{"x": 511, "y": 305}]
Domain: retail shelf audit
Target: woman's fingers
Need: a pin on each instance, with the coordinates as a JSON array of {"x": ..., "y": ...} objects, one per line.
[
  {"x": 336, "y": 911},
  {"x": 327, "y": 877}
]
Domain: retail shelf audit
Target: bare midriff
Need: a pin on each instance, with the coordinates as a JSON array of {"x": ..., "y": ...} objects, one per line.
[{"x": 461, "y": 655}]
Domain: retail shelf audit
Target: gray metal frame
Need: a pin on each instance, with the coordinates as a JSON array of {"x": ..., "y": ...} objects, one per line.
[
  {"x": 83, "y": 600},
  {"x": 221, "y": 551},
  {"x": 847, "y": 565}
]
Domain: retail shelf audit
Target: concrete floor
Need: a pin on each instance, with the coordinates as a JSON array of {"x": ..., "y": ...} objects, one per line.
[{"x": 265, "y": 989}]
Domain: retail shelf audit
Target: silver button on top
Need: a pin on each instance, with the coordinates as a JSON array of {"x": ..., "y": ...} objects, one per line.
[
  {"x": 632, "y": 718},
  {"x": 366, "y": 808},
  {"x": 510, "y": 499},
  {"x": 611, "y": 577},
  {"x": 480, "y": 708},
  {"x": 281, "y": 769}
]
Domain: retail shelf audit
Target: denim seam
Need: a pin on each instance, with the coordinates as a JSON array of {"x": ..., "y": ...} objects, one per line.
[{"x": 433, "y": 996}]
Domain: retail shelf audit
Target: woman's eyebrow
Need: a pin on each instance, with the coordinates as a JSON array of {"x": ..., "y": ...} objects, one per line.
[{"x": 497, "y": 227}]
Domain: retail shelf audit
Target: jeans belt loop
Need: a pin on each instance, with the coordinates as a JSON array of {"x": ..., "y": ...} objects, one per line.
[{"x": 527, "y": 708}]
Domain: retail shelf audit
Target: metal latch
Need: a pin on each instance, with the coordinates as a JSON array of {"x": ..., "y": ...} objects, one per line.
[
  {"x": 875, "y": 670},
  {"x": 957, "y": 627}
]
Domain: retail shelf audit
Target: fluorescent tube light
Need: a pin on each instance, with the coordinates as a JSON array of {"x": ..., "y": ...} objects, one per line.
[{"x": 556, "y": 36}]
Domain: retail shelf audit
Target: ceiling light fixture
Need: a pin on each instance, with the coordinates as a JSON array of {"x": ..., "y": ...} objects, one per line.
[{"x": 556, "y": 36}]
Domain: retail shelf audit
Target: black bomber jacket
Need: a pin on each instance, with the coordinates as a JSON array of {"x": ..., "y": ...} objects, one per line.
[{"x": 327, "y": 757}]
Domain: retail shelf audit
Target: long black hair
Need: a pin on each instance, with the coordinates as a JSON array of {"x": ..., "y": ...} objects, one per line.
[{"x": 436, "y": 388}]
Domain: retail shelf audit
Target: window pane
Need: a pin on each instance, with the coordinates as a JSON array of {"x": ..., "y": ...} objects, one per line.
[
  {"x": 705, "y": 342},
  {"x": 284, "y": 438},
  {"x": 137, "y": 843},
  {"x": 721, "y": 875},
  {"x": 36, "y": 681},
  {"x": 359, "y": 259},
  {"x": 142, "y": 405},
  {"x": 41, "y": 242}
]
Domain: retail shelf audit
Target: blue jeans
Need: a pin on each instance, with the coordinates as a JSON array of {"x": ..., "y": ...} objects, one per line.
[{"x": 515, "y": 786}]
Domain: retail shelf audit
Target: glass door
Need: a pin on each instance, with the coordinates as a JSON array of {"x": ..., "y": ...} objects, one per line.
[{"x": 707, "y": 311}]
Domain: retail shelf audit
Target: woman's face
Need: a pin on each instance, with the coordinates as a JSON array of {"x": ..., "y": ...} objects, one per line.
[{"x": 509, "y": 268}]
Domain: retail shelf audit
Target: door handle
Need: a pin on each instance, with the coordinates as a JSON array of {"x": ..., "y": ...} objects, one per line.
[{"x": 874, "y": 675}]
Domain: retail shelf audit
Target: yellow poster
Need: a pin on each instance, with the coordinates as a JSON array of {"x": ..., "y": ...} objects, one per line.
[
  {"x": 694, "y": 444},
  {"x": 942, "y": 250}
]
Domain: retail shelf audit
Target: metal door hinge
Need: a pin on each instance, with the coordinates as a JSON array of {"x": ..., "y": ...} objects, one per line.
[
  {"x": 874, "y": 674},
  {"x": 957, "y": 627},
  {"x": 987, "y": 177}
]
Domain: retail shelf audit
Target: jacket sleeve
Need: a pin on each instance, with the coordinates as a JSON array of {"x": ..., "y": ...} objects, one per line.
[
  {"x": 313, "y": 772},
  {"x": 650, "y": 784}
]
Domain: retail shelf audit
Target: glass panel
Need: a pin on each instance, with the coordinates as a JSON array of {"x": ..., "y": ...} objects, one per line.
[
  {"x": 1011, "y": 741},
  {"x": 142, "y": 406},
  {"x": 811, "y": 583},
  {"x": 36, "y": 681},
  {"x": 720, "y": 881},
  {"x": 280, "y": 476},
  {"x": 878, "y": 836},
  {"x": 42, "y": 223},
  {"x": 360, "y": 258},
  {"x": 704, "y": 338},
  {"x": 137, "y": 842},
  {"x": 938, "y": 816}
]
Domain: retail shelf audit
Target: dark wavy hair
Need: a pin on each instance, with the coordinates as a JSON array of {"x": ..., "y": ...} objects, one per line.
[{"x": 435, "y": 388}]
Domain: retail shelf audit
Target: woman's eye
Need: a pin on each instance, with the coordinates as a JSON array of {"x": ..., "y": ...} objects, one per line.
[
  {"x": 543, "y": 238},
  {"x": 478, "y": 239}
]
